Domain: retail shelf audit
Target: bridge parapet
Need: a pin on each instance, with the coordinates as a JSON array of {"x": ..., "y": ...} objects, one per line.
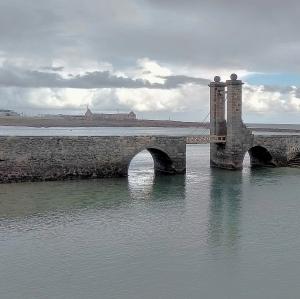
[
  {"x": 283, "y": 148},
  {"x": 264, "y": 150},
  {"x": 204, "y": 139},
  {"x": 58, "y": 158}
]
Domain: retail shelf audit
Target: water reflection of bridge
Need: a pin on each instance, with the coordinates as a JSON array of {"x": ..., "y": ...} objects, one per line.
[
  {"x": 224, "y": 208},
  {"x": 60, "y": 199}
]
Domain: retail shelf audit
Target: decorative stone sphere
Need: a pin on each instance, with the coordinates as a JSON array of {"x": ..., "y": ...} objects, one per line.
[
  {"x": 233, "y": 77},
  {"x": 217, "y": 79}
]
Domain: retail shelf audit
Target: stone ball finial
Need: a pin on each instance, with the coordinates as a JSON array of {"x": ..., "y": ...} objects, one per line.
[
  {"x": 233, "y": 77},
  {"x": 217, "y": 79}
]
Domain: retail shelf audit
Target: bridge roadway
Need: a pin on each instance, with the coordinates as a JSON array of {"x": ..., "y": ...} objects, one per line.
[
  {"x": 59, "y": 158},
  {"x": 264, "y": 150},
  {"x": 204, "y": 139},
  {"x": 274, "y": 150},
  {"x": 226, "y": 102}
]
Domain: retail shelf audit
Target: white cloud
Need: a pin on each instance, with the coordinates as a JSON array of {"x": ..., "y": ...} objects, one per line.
[
  {"x": 60, "y": 98},
  {"x": 186, "y": 98},
  {"x": 260, "y": 99},
  {"x": 73, "y": 65},
  {"x": 150, "y": 70},
  {"x": 181, "y": 94}
]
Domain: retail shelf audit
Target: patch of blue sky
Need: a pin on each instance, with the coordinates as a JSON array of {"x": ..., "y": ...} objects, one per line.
[{"x": 278, "y": 79}]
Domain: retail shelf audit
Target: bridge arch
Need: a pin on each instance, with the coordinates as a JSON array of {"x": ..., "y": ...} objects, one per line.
[
  {"x": 163, "y": 163},
  {"x": 260, "y": 156}
]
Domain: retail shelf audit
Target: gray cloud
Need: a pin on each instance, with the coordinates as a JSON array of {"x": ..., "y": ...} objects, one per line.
[
  {"x": 275, "y": 88},
  {"x": 178, "y": 80},
  {"x": 258, "y": 36},
  {"x": 254, "y": 35},
  {"x": 18, "y": 77},
  {"x": 53, "y": 68}
]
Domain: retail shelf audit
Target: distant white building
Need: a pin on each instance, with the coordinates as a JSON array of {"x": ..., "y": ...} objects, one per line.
[
  {"x": 5, "y": 112},
  {"x": 105, "y": 116}
]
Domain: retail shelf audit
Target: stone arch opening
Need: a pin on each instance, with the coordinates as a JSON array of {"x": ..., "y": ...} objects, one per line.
[
  {"x": 161, "y": 161},
  {"x": 260, "y": 156},
  {"x": 141, "y": 175},
  {"x": 141, "y": 164}
]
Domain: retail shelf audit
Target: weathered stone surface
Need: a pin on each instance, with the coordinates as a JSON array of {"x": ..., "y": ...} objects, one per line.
[
  {"x": 217, "y": 107},
  {"x": 58, "y": 158},
  {"x": 274, "y": 150}
]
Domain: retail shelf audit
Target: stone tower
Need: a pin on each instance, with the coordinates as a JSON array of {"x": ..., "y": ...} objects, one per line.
[
  {"x": 234, "y": 108},
  {"x": 231, "y": 154},
  {"x": 217, "y": 107}
]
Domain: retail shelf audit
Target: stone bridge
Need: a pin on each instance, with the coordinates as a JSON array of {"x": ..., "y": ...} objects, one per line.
[
  {"x": 275, "y": 150},
  {"x": 264, "y": 150},
  {"x": 58, "y": 158}
]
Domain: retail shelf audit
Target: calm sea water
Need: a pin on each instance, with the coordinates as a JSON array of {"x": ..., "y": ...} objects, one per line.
[
  {"x": 206, "y": 234},
  {"x": 122, "y": 131},
  {"x": 100, "y": 131}
]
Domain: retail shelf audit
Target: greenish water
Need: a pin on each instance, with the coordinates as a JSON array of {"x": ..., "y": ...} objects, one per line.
[{"x": 209, "y": 234}]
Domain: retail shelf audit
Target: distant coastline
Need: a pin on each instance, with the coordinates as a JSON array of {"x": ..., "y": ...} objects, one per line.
[
  {"x": 39, "y": 122},
  {"x": 44, "y": 122}
]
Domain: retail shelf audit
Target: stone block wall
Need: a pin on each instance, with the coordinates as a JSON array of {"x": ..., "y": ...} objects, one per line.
[
  {"x": 58, "y": 158},
  {"x": 264, "y": 150}
]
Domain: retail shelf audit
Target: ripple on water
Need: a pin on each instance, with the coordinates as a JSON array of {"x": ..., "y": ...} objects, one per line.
[{"x": 188, "y": 236}]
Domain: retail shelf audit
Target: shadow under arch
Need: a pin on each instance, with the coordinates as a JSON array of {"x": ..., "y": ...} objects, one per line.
[
  {"x": 145, "y": 186},
  {"x": 163, "y": 164},
  {"x": 260, "y": 156}
]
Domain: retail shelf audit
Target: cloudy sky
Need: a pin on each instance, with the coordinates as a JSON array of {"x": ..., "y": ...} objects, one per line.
[{"x": 155, "y": 57}]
